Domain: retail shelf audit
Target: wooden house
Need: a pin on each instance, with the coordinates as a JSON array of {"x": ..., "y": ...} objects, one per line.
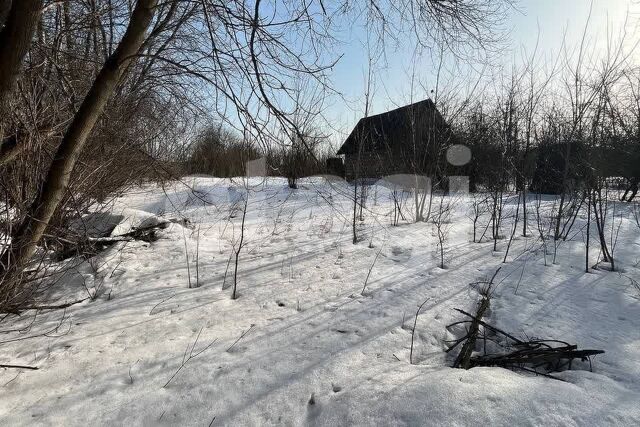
[{"x": 409, "y": 139}]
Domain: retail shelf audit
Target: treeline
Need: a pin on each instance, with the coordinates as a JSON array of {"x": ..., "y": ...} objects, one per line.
[
  {"x": 572, "y": 131},
  {"x": 556, "y": 155},
  {"x": 219, "y": 151}
]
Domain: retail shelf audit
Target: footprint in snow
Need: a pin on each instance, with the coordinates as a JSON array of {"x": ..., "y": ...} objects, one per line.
[
  {"x": 313, "y": 409},
  {"x": 400, "y": 254}
]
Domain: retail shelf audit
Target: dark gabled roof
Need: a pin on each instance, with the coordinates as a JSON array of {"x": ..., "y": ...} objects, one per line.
[{"x": 377, "y": 132}]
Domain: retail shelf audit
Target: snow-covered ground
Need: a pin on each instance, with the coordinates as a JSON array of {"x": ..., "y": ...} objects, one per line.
[{"x": 302, "y": 344}]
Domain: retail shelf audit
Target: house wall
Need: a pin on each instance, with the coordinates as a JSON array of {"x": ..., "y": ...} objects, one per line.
[{"x": 373, "y": 164}]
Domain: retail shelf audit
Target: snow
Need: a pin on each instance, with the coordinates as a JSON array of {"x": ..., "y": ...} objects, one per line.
[{"x": 302, "y": 345}]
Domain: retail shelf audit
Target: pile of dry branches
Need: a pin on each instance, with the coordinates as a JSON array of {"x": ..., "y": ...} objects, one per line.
[{"x": 535, "y": 355}]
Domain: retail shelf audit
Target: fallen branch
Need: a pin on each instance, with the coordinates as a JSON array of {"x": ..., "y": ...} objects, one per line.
[
  {"x": 242, "y": 335},
  {"x": 191, "y": 355},
  {"x": 53, "y": 307},
  {"x": 33, "y": 368}
]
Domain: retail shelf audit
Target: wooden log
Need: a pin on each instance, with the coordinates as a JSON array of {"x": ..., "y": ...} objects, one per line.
[
  {"x": 464, "y": 357},
  {"x": 486, "y": 325}
]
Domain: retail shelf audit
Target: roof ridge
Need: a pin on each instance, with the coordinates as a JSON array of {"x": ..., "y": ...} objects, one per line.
[{"x": 427, "y": 100}]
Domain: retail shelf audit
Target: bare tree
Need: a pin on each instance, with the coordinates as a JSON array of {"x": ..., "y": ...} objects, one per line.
[
  {"x": 441, "y": 219},
  {"x": 361, "y": 140},
  {"x": 479, "y": 206},
  {"x": 32, "y": 228},
  {"x": 17, "y": 26},
  {"x": 240, "y": 244},
  {"x": 544, "y": 224}
]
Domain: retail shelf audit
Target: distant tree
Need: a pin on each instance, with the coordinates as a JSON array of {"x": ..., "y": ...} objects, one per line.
[
  {"x": 300, "y": 160},
  {"x": 218, "y": 151}
]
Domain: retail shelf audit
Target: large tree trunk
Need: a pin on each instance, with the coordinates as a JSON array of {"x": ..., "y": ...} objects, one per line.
[
  {"x": 32, "y": 228},
  {"x": 15, "y": 39},
  {"x": 18, "y": 21},
  {"x": 5, "y": 7}
]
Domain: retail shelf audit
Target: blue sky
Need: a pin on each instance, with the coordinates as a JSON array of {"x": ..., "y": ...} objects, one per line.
[{"x": 546, "y": 20}]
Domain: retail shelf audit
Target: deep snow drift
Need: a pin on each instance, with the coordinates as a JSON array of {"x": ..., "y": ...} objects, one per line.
[{"x": 302, "y": 344}]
